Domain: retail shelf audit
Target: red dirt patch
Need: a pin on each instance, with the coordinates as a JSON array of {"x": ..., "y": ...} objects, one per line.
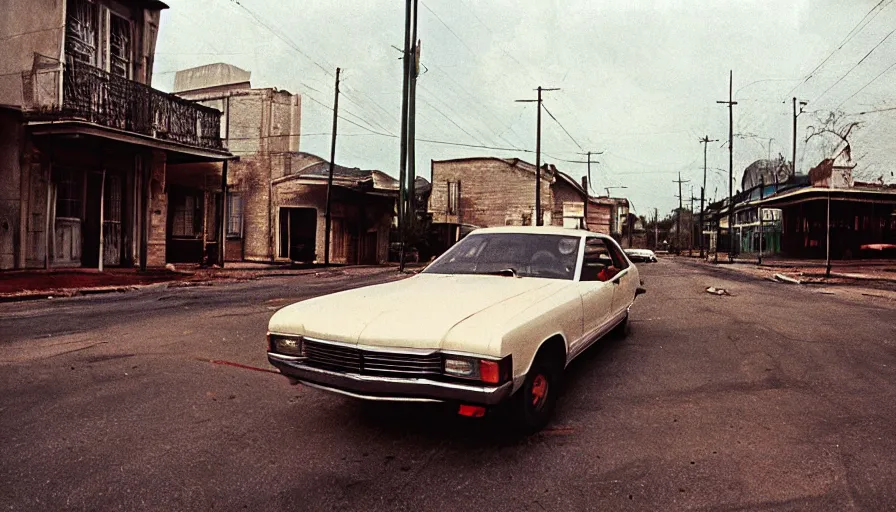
[{"x": 20, "y": 281}]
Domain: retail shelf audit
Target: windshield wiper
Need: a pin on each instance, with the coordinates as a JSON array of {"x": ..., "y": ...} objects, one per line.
[{"x": 509, "y": 272}]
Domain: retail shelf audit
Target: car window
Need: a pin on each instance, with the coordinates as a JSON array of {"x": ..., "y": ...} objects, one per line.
[
  {"x": 601, "y": 261},
  {"x": 619, "y": 259},
  {"x": 528, "y": 255}
]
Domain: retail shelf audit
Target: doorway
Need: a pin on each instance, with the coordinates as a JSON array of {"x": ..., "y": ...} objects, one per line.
[{"x": 298, "y": 234}]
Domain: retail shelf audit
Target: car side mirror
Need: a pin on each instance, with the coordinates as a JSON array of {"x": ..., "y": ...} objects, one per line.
[{"x": 640, "y": 291}]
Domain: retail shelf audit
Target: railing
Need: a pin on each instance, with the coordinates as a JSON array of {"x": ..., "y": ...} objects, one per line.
[{"x": 99, "y": 97}]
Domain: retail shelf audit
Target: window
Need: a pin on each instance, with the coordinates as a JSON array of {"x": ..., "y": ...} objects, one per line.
[
  {"x": 186, "y": 218},
  {"x": 602, "y": 261},
  {"x": 119, "y": 46},
  {"x": 97, "y": 36},
  {"x": 81, "y": 32},
  {"x": 521, "y": 254},
  {"x": 234, "y": 215},
  {"x": 112, "y": 200},
  {"x": 453, "y": 197},
  {"x": 69, "y": 193}
]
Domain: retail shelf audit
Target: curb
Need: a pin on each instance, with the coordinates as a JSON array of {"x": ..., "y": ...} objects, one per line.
[
  {"x": 202, "y": 281},
  {"x": 810, "y": 274}
]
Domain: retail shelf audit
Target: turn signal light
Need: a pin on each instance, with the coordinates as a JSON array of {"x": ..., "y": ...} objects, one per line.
[{"x": 489, "y": 371}]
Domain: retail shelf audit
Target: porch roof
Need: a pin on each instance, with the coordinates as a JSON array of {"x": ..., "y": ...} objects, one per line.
[
  {"x": 885, "y": 195},
  {"x": 178, "y": 153}
]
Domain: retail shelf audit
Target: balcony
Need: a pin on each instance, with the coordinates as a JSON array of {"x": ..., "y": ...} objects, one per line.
[{"x": 93, "y": 95}]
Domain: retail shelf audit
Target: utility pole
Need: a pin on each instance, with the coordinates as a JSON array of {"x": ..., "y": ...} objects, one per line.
[
  {"x": 405, "y": 99},
  {"x": 691, "y": 244},
  {"x": 587, "y": 180},
  {"x": 538, "y": 219},
  {"x": 656, "y": 229},
  {"x": 330, "y": 174},
  {"x": 731, "y": 103},
  {"x": 705, "y": 140},
  {"x": 795, "y": 115},
  {"x": 411, "y": 211},
  {"x": 761, "y": 234},
  {"x": 680, "y": 207}
]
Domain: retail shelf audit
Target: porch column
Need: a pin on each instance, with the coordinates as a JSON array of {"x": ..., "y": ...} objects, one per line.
[{"x": 158, "y": 211}]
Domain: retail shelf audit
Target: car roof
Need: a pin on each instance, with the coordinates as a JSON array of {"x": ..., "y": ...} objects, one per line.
[{"x": 539, "y": 230}]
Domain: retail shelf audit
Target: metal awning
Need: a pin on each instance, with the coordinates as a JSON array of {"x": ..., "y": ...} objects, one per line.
[{"x": 860, "y": 195}]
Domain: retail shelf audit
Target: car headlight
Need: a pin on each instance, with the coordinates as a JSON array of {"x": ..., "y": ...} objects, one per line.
[
  {"x": 474, "y": 368},
  {"x": 286, "y": 345}
]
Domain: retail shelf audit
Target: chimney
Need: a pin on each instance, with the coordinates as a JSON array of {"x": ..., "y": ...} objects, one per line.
[{"x": 585, "y": 183}]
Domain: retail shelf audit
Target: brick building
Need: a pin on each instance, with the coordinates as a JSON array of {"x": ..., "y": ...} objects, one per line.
[{"x": 468, "y": 193}]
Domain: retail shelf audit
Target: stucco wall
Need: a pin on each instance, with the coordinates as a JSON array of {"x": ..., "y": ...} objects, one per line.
[
  {"x": 27, "y": 27},
  {"x": 11, "y": 134}
]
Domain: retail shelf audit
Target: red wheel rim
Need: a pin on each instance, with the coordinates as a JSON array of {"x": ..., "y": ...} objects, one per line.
[{"x": 539, "y": 390}]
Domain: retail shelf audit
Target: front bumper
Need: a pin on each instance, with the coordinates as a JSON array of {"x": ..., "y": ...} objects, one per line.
[{"x": 390, "y": 389}]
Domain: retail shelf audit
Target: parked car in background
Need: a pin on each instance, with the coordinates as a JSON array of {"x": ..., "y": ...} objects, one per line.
[
  {"x": 645, "y": 255},
  {"x": 494, "y": 320}
]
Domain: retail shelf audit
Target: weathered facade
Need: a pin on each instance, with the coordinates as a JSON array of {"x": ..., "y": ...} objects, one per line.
[
  {"x": 260, "y": 126},
  {"x": 825, "y": 213},
  {"x": 485, "y": 192},
  {"x": 361, "y": 210},
  {"x": 88, "y": 147}
]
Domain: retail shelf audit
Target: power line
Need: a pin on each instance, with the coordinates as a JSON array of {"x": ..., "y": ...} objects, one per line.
[
  {"x": 20, "y": 34},
  {"x": 561, "y": 126},
  {"x": 855, "y": 66},
  {"x": 852, "y": 33},
  {"x": 882, "y": 73},
  {"x": 873, "y": 111},
  {"x": 295, "y": 47},
  {"x": 449, "y": 28}
]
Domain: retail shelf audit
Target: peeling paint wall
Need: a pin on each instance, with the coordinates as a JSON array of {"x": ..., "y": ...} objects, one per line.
[{"x": 28, "y": 27}]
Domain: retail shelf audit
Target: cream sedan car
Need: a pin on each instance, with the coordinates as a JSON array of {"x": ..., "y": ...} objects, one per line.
[{"x": 494, "y": 320}]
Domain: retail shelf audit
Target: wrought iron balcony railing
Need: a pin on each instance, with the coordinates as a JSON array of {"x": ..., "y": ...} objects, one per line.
[{"x": 99, "y": 97}]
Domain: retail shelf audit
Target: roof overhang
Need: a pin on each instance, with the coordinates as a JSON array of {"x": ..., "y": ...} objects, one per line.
[
  {"x": 861, "y": 195},
  {"x": 178, "y": 152}
]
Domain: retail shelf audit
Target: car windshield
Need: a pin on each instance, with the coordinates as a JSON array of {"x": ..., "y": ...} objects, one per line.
[{"x": 512, "y": 254}]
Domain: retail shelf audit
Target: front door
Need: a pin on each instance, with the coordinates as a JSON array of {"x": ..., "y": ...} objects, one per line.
[
  {"x": 625, "y": 280},
  {"x": 298, "y": 234},
  {"x": 68, "y": 189},
  {"x": 596, "y": 290}
]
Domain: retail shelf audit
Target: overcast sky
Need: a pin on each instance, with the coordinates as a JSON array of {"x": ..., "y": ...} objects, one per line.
[{"x": 639, "y": 79}]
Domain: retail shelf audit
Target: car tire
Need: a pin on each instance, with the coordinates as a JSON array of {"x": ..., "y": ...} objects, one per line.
[
  {"x": 621, "y": 330},
  {"x": 533, "y": 405}
]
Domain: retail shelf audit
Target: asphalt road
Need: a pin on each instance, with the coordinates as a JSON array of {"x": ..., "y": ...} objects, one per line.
[{"x": 776, "y": 397}]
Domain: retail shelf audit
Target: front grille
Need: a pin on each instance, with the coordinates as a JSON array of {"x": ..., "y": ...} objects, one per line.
[
  {"x": 368, "y": 362},
  {"x": 333, "y": 357},
  {"x": 380, "y": 362}
]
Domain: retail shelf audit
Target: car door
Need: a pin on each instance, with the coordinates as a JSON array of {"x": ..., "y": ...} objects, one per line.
[
  {"x": 625, "y": 281},
  {"x": 595, "y": 289}
]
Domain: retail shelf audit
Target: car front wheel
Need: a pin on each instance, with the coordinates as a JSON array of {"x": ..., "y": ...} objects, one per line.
[{"x": 533, "y": 404}]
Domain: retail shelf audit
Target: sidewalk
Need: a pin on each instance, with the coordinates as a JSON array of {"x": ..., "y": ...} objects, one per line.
[
  {"x": 808, "y": 271},
  {"x": 41, "y": 284}
]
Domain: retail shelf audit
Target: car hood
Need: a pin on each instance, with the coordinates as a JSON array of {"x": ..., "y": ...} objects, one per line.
[{"x": 419, "y": 312}]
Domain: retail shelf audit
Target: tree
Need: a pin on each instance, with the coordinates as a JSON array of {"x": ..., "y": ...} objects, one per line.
[{"x": 834, "y": 132}]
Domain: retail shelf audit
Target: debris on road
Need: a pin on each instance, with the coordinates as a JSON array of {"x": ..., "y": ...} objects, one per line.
[
  {"x": 787, "y": 279},
  {"x": 717, "y": 291}
]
